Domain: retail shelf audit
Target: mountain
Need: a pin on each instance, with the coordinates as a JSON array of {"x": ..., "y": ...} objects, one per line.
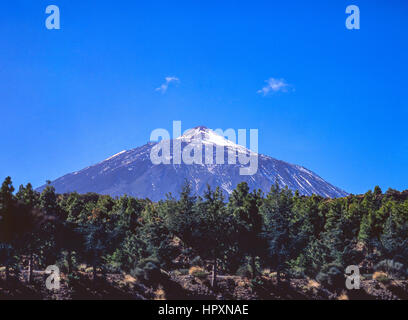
[{"x": 132, "y": 172}]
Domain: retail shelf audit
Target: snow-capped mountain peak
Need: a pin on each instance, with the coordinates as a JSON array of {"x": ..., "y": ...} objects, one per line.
[
  {"x": 132, "y": 172},
  {"x": 207, "y": 136}
]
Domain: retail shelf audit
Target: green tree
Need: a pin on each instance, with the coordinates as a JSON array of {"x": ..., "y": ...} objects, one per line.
[
  {"x": 7, "y": 224},
  {"x": 394, "y": 239},
  {"x": 96, "y": 246},
  {"x": 31, "y": 218},
  {"x": 204, "y": 225},
  {"x": 244, "y": 206},
  {"x": 280, "y": 229}
]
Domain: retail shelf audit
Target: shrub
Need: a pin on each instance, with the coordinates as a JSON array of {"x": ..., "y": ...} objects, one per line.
[
  {"x": 88, "y": 269},
  {"x": 160, "y": 294},
  {"x": 241, "y": 283},
  {"x": 392, "y": 268},
  {"x": 181, "y": 272},
  {"x": 257, "y": 282},
  {"x": 82, "y": 267},
  {"x": 149, "y": 272},
  {"x": 197, "y": 261},
  {"x": 197, "y": 272},
  {"x": 244, "y": 271},
  {"x": 152, "y": 272},
  {"x": 143, "y": 262},
  {"x": 343, "y": 296},
  {"x": 332, "y": 276},
  {"x": 380, "y": 276},
  {"x": 296, "y": 273}
]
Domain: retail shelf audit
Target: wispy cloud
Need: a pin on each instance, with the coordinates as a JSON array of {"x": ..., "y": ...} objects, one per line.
[
  {"x": 163, "y": 88},
  {"x": 274, "y": 85}
]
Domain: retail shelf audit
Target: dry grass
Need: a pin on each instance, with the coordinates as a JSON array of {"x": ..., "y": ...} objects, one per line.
[
  {"x": 193, "y": 271},
  {"x": 128, "y": 279},
  {"x": 343, "y": 296},
  {"x": 176, "y": 241},
  {"x": 379, "y": 276},
  {"x": 160, "y": 294},
  {"x": 313, "y": 284},
  {"x": 242, "y": 283},
  {"x": 82, "y": 267},
  {"x": 88, "y": 270}
]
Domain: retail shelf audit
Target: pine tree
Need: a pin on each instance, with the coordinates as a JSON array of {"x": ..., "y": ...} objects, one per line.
[
  {"x": 203, "y": 225},
  {"x": 95, "y": 245},
  {"x": 7, "y": 224},
  {"x": 29, "y": 228},
  {"x": 212, "y": 229},
  {"x": 48, "y": 201},
  {"x": 244, "y": 206},
  {"x": 280, "y": 232},
  {"x": 394, "y": 239}
]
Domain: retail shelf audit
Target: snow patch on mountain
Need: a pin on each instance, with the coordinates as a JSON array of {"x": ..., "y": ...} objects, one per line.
[{"x": 132, "y": 172}]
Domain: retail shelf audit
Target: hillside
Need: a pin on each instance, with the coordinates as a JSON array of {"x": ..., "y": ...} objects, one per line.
[{"x": 132, "y": 172}]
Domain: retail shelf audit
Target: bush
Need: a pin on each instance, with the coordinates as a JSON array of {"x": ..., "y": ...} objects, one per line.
[
  {"x": 143, "y": 262},
  {"x": 380, "y": 276},
  {"x": 296, "y": 273},
  {"x": 181, "y": 272},
  {"x": 152, "y": 272},
  {"x": 160, "y": 294},
  {"x": 257, "y": 282},
  {"x": 82, "y": 267},
  {"x": 244, "y": 271},
  {"x": 394, "y": 269},
  {"x": 88, "y": 269},
  {"x": 73, "y": 277},
  {"x": 332, "y": 276},
  {"x": 197, "y": 261},
  {"x": 197, "y": 272},
  {"x": 148, "y": 271}
]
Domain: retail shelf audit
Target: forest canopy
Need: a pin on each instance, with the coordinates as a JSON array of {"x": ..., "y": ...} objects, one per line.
[{"x": 240, "y": 234}]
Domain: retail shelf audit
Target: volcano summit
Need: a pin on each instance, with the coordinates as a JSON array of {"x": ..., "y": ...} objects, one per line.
[{"x": 132, "y": 172}]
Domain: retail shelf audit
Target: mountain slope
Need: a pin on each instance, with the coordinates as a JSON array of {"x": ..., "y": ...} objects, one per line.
[{"x": 132, "y": 172}]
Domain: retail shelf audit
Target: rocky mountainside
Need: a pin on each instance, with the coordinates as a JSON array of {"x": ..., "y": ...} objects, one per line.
[{"x": 132, "y": 172}]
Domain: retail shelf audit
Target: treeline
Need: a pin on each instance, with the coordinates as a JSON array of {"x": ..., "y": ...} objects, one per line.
[{"x": 292, "y": 235}]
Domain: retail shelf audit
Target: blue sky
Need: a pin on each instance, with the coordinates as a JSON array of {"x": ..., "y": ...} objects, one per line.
[{"x": 72, "y": 97}]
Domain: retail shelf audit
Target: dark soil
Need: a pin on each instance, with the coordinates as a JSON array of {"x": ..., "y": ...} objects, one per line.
[{"x": 175, "y": 287}]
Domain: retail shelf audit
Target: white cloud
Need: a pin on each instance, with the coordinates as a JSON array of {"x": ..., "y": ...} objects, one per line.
[
  {"x": 163, "y": 88},
  {"x": 274, "y": 85}
]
